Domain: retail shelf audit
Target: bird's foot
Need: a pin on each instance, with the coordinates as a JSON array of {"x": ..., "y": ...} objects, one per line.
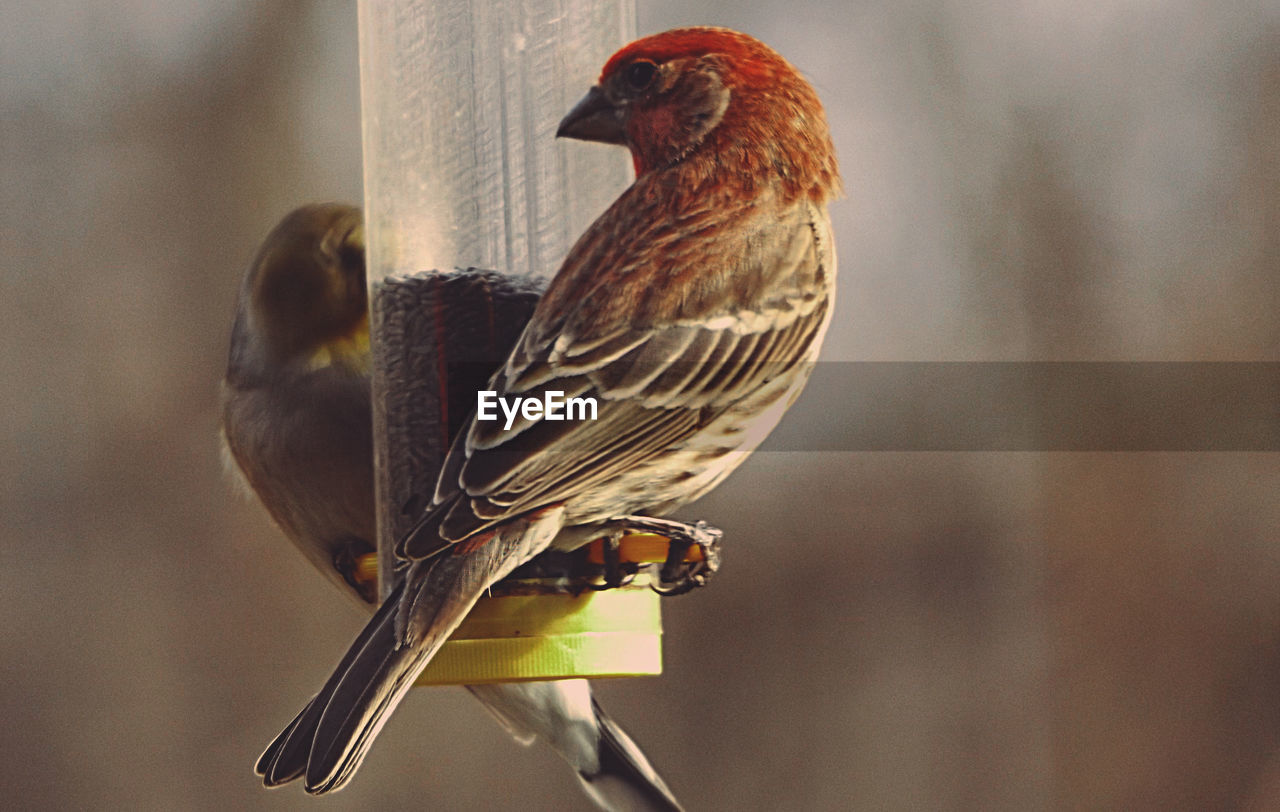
[
  {"x": 617, "y": 573},
  {"x": 693, "y": 552},
  {"x": 357, "y": 563}
]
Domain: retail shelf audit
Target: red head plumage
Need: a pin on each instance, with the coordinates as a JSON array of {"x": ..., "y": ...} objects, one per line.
[{"x": 724, "y": 103}]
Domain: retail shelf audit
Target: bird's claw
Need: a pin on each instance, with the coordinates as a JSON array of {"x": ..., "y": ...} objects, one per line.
[
  {"x": 350, "y": 561},
  {"x": 615, "y": 574},
  {"x": 677, "y": 576}
]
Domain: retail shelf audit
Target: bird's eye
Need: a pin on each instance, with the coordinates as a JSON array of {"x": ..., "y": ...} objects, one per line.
[{"x": 639, "y": 75}]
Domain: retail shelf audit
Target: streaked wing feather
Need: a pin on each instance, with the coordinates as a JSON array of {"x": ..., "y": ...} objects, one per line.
[
  {"x": 531, "y": 470},
  {"x": 732, "y": 351},
  {"x": 673, "y": 382},
  {"x": 640, "y": 443},
  {"x": 656, "y": 385},
  {"x": 631, "y": 374}
]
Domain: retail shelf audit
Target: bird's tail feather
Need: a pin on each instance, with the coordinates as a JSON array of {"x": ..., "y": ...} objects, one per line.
[
  {"x": 625, "y": 779},
  {"x": 614, "y": 772},
  {"x": 333, "y": 733},
  {"x": 277, "y": 765},
  {"x": 285, "y": 759}
]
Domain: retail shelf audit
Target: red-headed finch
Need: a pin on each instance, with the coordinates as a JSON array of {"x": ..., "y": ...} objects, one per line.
[
  {"x": 692, "y": 310},
  {"x": 296, "y": 420}
]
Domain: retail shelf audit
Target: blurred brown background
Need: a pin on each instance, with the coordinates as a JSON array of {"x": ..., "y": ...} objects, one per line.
[{"x": 1048, "y": 181}]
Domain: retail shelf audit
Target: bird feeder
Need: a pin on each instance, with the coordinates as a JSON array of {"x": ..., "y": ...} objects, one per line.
[{"x": 460, "y": 101}]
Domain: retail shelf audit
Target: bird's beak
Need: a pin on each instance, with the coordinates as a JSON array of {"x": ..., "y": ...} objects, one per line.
[
  {"x": 355, "y": 236},
  {"x": 595, "y": 118}
]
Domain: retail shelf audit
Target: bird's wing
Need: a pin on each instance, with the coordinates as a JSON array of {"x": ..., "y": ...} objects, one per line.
[{"x": 655, "y": 384}]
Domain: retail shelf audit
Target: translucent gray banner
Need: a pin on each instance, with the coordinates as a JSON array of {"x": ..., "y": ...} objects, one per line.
[{"x": 1191, "y": 406}]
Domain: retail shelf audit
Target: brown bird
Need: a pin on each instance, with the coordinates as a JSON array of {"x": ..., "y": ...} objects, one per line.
[
  {"x": 295, "y": 400},
  {"x": 296, "y": 418},
  {"x": 692, "y": 310}
]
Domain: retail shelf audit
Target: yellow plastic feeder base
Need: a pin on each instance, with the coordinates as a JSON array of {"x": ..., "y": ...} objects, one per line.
[
  {"x": 517, "y": 638},
  {"x": 614, "y": 633}
]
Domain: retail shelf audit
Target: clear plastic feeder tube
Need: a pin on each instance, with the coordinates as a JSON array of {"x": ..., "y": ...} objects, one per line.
[{"x": 460, "y": 103}]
